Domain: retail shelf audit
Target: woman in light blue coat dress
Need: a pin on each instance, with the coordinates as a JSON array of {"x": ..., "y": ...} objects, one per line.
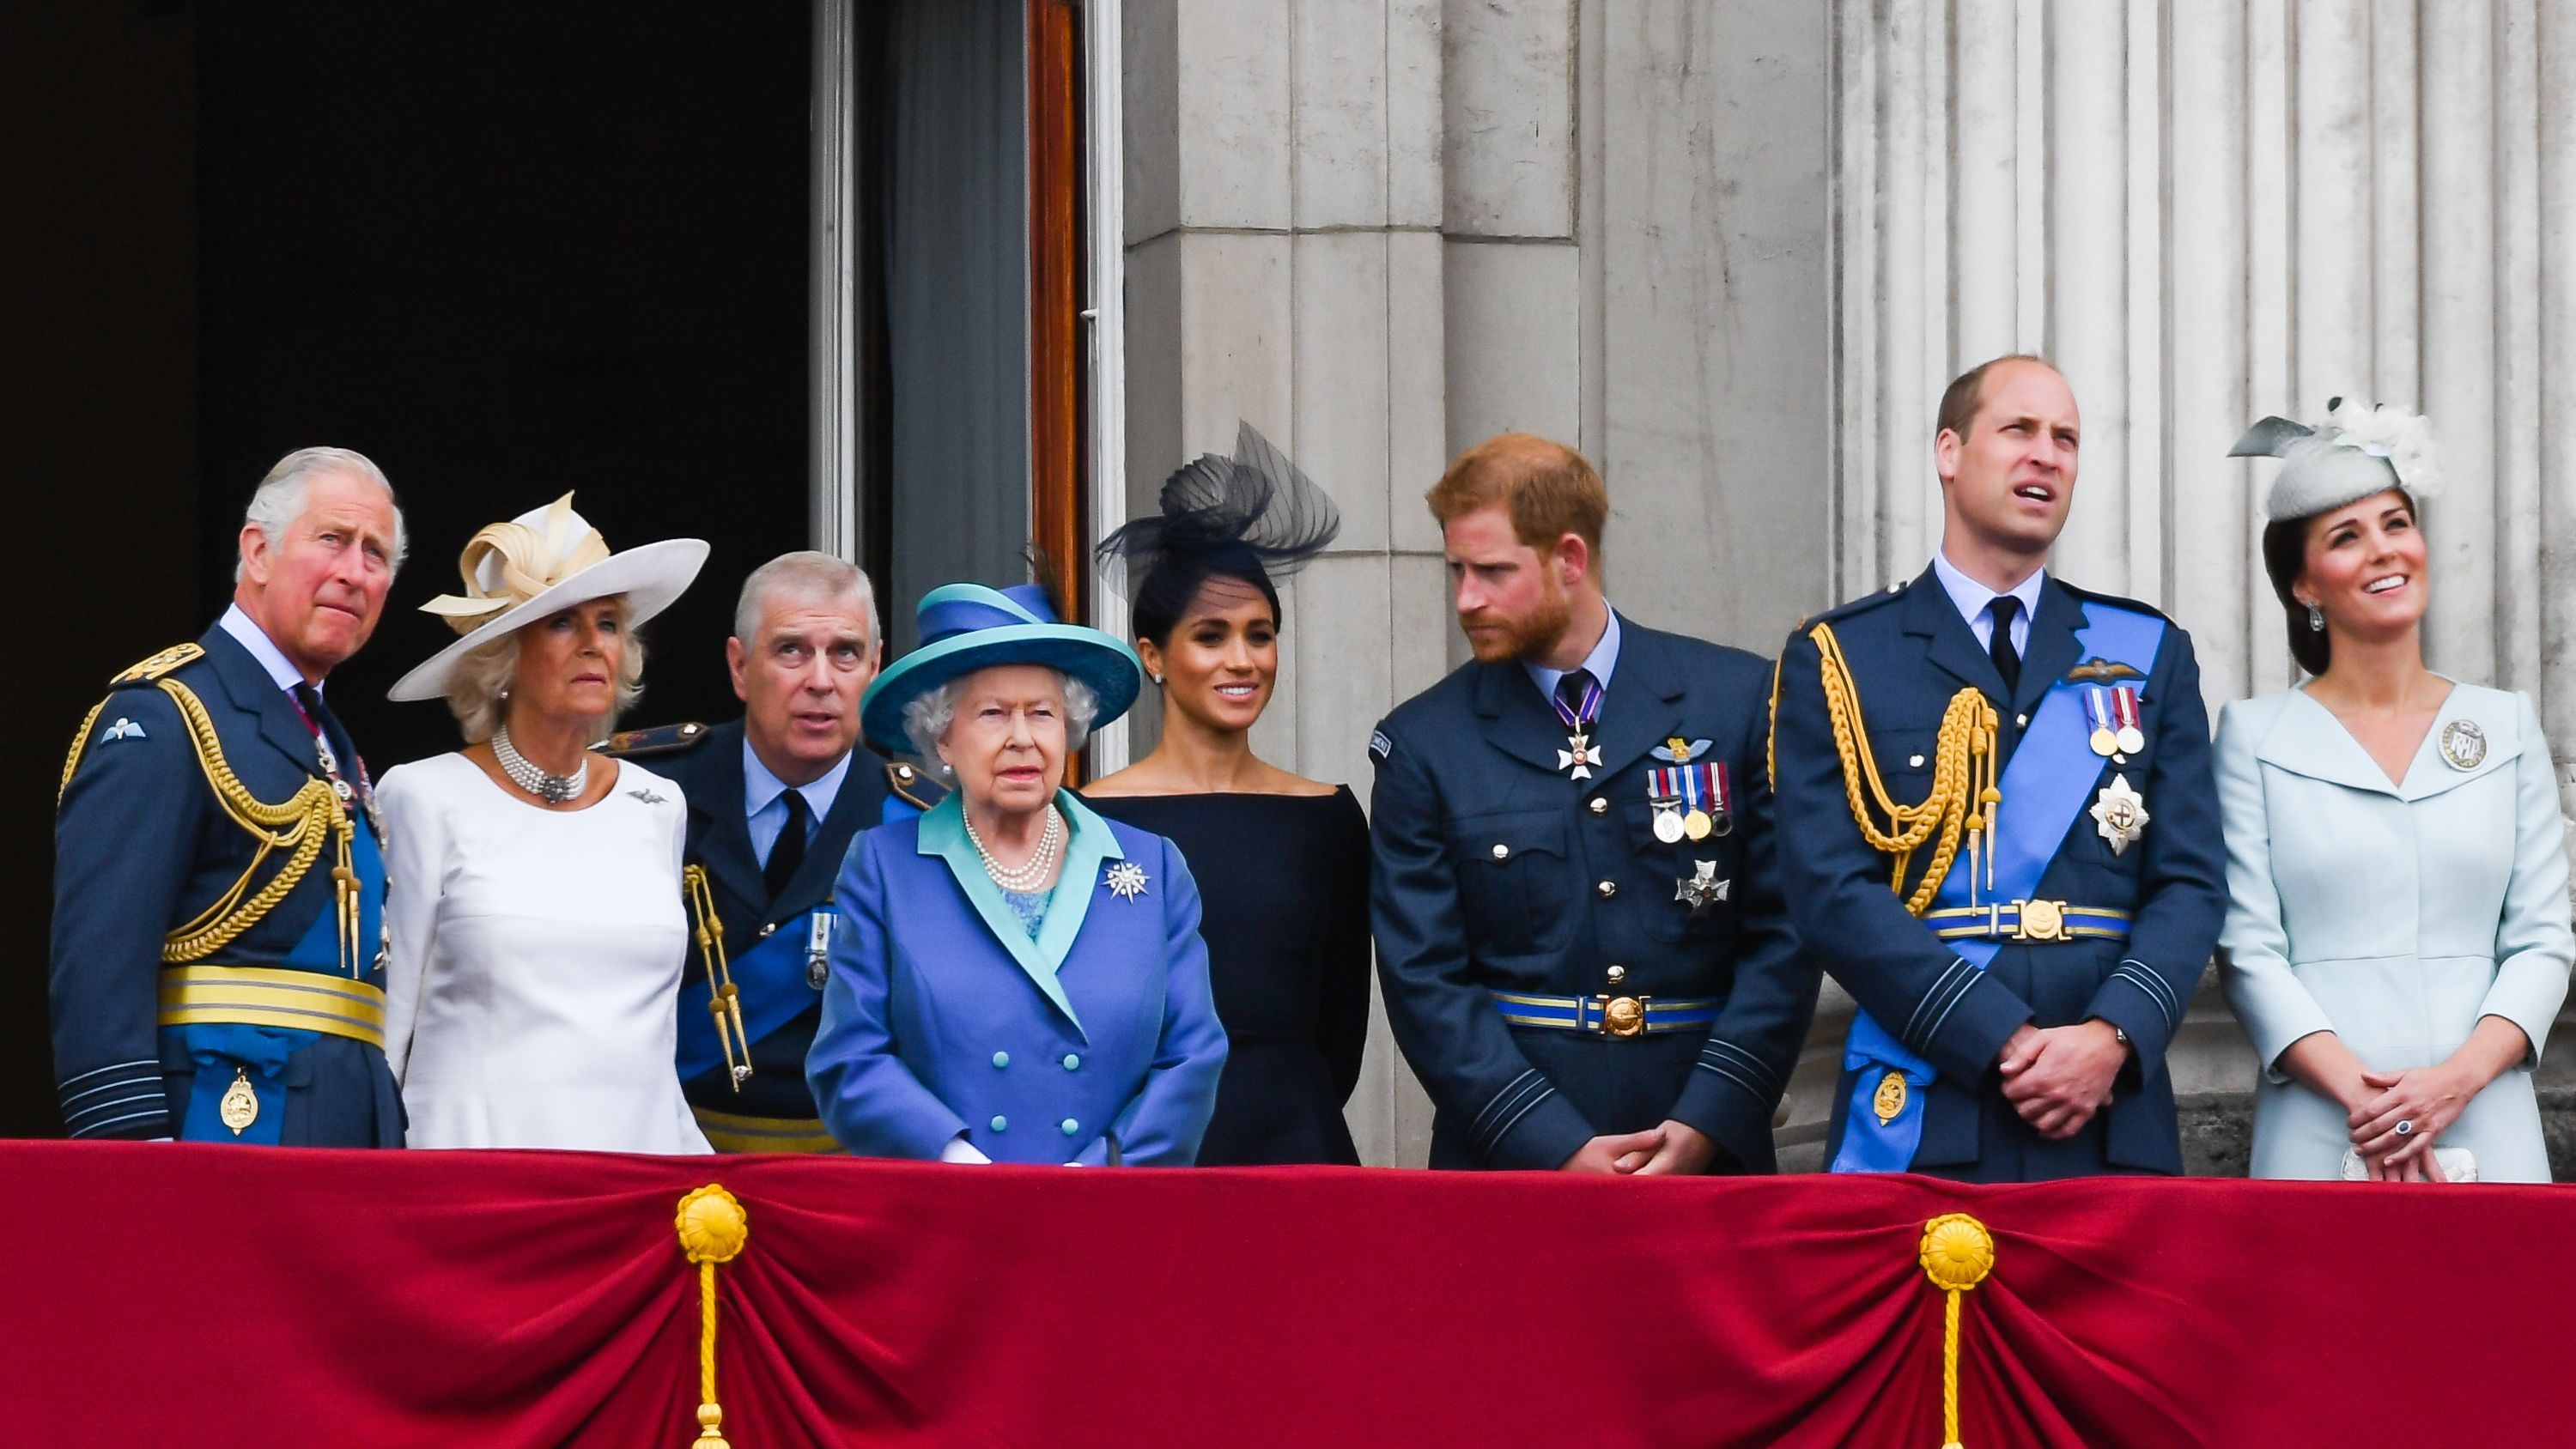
[{"x": 2397, "y": 938}]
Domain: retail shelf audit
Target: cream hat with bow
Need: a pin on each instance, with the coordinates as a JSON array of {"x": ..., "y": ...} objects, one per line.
[{"x": 538, "y": 564}]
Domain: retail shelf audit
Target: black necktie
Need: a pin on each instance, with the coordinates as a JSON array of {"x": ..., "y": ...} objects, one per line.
[
  {"x": 2007, "y": 658},
  {"x": 789, "y": 852},
  {"x": 326, "y": 728}
]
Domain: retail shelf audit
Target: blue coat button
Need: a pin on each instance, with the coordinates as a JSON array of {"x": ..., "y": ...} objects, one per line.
[
  {"x": 1001, "y": 1124},
  {"x": 1071, "y": 1126},
  {"x": 1071, "y": 1062},
  {"x": 1001, "y": 1060}
]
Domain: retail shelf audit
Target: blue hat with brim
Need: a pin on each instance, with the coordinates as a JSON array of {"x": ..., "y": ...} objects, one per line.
[{"x": 966, "y": 627}]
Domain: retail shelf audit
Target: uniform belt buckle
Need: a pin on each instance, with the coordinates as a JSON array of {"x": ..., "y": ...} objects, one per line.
[
  {"x": 2041, "y": 921},
  {"x": 1622, "y": 1016}
]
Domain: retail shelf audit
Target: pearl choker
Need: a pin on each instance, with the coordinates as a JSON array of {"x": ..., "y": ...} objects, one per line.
[
  {"x": 1031, "y": 875},
  {"x": 553, "y": 789}
]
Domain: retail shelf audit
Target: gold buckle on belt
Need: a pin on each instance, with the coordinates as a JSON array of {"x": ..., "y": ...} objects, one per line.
[
  {"x": 1622, "y": 1015},
  {"x": 2038, "y": 921}
]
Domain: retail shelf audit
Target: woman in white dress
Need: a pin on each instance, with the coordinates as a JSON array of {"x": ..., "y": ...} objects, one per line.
[
  {"x": 2397, "y": 937},
  {"x": 533, "y": 897}
]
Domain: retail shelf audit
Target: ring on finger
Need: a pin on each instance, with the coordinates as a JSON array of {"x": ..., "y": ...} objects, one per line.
[{"x": 2405, "y": 1127}]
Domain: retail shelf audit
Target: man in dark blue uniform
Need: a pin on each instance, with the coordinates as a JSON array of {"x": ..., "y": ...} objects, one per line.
[
  {"x": 217, "y": 971},
  {"x": 2029, "y": 765},
  {"x": 1580, "y": 934},
  {"x": 774, "y": 799}
]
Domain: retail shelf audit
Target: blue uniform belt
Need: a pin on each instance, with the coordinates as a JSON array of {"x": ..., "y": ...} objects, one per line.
[
  {"x": 203, "y": 995},
  {"x": 1619, "y": 1016},
  {"x": 2028, "y": 921}
]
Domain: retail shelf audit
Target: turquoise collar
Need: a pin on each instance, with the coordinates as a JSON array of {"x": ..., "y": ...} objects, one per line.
[{"x": 943, "y": 833}]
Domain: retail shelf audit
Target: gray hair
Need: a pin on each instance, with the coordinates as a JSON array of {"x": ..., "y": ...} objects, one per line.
[
  {"x": 478, "y": 689},
  {"x": 279, "y": 499},
  {"x": 804, "y": 574},
  {"x": 927, "y": 716}
]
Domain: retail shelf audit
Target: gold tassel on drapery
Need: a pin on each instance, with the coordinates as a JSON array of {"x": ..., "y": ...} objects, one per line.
[
  {"x": 1957, "y": 1254},
  {"x": 713, "y": 1228}
]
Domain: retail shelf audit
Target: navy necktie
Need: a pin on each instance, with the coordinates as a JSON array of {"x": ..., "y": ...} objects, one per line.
[
  {"x": 789, "y": 852},
  {"x": 2007, "y": 658}
]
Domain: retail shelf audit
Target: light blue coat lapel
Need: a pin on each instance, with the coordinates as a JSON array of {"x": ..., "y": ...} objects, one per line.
[{"x": 943, "y": 833}]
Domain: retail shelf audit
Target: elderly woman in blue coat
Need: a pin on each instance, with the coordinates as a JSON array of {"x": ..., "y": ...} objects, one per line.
[{"x": 1012, "y": 977}]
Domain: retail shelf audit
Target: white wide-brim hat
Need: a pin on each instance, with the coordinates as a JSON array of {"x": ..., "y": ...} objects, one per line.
[{"x": 537, "y": 564}]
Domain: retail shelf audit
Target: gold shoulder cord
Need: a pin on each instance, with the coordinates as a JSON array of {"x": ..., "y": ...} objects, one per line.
[
  {"x": 1964, "y": 794},
  {"x": 298, "y": 826},
  {"x": 724, "y": 1003}
]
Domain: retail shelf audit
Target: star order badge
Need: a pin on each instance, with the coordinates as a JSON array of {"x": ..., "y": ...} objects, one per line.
[
  {"x": 1125, "y": 879},
  {"x": 2121, "y": 813},
  {"x": 1701, "y": 888}
]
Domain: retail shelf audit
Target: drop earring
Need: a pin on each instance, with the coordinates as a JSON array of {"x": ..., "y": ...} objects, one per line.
[{"x": 2316, "y": 619}]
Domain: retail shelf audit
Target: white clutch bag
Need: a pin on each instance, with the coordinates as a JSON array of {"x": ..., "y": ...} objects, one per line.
[{"x": 2459, "y": 1164}]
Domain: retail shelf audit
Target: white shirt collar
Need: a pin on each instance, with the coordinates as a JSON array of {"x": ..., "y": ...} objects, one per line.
[
  {"x": 1972, "y": 598},
  {"x": 271, "y": 658},
  {"x": 761, "y": 789},
  {"x": 1603, "y": 658}
]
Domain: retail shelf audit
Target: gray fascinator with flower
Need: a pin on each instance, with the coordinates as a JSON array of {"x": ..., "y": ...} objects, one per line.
[{"x": 2359, "y": 450}]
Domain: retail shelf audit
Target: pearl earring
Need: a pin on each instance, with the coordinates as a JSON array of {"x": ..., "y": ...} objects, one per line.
[
  {"x": 1158, "y": 679},
  {"x": 2316, "y": 619}
]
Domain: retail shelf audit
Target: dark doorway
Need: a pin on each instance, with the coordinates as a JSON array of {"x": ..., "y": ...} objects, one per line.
[{"x": 505, "y": 252}]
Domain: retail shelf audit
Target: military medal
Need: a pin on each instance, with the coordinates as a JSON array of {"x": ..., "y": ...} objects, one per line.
[
  {"x": 240, "y": 1105},
  {"x": 1580, "y": 754},
  {"x": 2124, "y": 711},
  {"x": 2464, "y": 745},
  {"x": 1889, "y": 1100},
  {"x": 1701, "y": 888},
  {"x": 2105, "y": 739},
  {"x": 1668, "y": 820},
  {"x": 2121, "y": 814}
]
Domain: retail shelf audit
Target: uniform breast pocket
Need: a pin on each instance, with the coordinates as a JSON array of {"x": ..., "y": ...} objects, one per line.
[
  {"x": 1907, "y": 759},
  {"x": 1514, "y": 880}
]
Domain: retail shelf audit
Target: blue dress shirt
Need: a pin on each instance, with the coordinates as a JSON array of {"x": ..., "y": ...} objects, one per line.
[{"x": 765, "y": 812}]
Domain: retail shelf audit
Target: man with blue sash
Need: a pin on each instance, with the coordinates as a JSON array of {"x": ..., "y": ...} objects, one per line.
[
  {"x": 217, "y": 964},
  {"x": 774, "y": 799},
  {"x": 1999, "y": 829}
]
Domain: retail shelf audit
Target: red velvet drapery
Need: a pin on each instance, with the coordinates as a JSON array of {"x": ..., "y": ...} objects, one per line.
[{"x": 245, "y": 1296}]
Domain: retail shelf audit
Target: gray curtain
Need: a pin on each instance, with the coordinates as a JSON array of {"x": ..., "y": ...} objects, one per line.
[{"x": 957, "y": 298}]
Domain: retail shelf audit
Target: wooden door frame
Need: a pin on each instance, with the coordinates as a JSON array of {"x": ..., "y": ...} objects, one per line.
[{"x": 1057, "y": 522}]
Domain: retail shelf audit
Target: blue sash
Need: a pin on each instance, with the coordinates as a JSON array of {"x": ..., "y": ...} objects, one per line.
[
  {"x": 2045, "y": 787},
  {"x": 218, "y": 1049},
  {"x": 771, "y": 982}
]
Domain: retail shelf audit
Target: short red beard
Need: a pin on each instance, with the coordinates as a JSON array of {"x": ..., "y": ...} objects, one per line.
[{"x": 1532, "y": 633}]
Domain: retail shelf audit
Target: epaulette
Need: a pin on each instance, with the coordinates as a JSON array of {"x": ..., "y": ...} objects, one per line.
[
  {"x": 1850, "y": 607},
  {"x": 174, "y": 657},
  {"x": 659, "y": 740},
  {"x": 915, "y": 788},
  {"x": 2115, "y": 601}
]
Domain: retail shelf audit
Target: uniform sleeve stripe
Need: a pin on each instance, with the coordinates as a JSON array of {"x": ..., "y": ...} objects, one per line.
[
  {"x": 1716, "y": 1052},
  {"x": 152, "y": 1065},
  {"x": 1505, "y": 1094},
  {"x": 1757, "y": 1089},
  {"x": 1931, "y": 998},
  {"x": 2152, "y": 986},
  {"x": 95, "y": 1128},
  {"x": 154, "y": 1095},
  {"x": 1514, "y": 1120},
  {"x": 1934, "y": 1030},
  {"x": 121, "y": 1084}
]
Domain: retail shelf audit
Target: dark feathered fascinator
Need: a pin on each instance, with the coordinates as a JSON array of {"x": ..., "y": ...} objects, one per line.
[{"x": 1253, "y": 517}]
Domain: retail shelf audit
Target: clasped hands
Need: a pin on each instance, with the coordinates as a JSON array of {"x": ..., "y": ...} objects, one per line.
[
  {"x": 2057, "y": 1077},
  {"x": 2428, "y": 1099},
  {"x": 1673, "y": 1149}
]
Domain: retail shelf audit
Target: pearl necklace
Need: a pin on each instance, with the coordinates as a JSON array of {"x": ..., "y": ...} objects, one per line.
[
  {"x": 1031, "y": 875},
  {"x": 553, "y": 789}
]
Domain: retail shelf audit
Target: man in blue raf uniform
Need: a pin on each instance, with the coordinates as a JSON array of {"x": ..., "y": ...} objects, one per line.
[
  {"x": 773, "y": 801},
  {"x": 2029, "y": 765},
  {"x": 1582, "y": 942},
  {"x": 217, "y": 969}
]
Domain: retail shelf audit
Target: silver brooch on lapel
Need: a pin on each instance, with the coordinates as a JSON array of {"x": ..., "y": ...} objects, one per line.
[
  {"x": 2464, "y": 745},
  {"x": 2121, "y": 812},
  {"x": 647, "y": 796},
  {"x": 1126, "y": 879}
]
